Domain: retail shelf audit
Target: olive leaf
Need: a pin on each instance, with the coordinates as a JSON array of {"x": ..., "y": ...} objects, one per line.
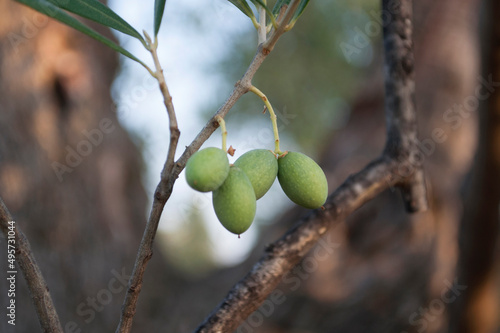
[
  {"x": 244, "y": 7},
  {"x": 278, "y": 5},
  {"x": 97, "y": 12},
  {"x": 300, "y": 9},
  {"x": 159, "y": 9},
  {"x": 302, "y": 5},
  {"x": 47, "y": 8},
  {"x": 261, "y": 3}
]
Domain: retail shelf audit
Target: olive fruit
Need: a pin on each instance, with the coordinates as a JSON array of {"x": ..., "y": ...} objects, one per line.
[
  {"x": 234, "y": 202},
  {"x": 302, "y": 180},
  {"x": 261, "y": 167},
  {"x": 207, "y": 169}
]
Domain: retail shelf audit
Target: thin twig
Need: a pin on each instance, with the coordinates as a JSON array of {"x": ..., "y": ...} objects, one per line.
[
  {"x": 39, "y": 291},
  {"x": 174, "y": 129},
  {"x": 282, "y": 24},
  {"x": 400, "y": 102},
  {"x": 162, "y": 193},
  {"x": 172, "y": 170}
]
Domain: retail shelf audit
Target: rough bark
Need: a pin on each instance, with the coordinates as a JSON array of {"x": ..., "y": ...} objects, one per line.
[{"x": 400, "y": 112}]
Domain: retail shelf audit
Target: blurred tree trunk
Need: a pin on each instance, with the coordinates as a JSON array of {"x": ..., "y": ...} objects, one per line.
[
  {"x": 68, "y": 172},
  {"x": 477, "y": 311}
]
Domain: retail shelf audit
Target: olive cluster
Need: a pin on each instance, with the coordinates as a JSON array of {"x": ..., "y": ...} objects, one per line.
[{"x": 238, "y": 186}]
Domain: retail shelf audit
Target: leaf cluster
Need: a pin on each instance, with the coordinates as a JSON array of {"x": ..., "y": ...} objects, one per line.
[{"x": 95, "y": 11}]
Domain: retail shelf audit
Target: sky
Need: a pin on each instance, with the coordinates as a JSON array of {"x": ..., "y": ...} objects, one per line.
[{"x": 193, "y": 37}]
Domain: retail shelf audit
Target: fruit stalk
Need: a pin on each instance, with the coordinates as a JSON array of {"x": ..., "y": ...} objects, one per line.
[
  {"x": 222, "y": 125},
  {"x": 162, "y": 193},
  {"x": 259, "y": 93},
  {"x": 167, "y": 101}
]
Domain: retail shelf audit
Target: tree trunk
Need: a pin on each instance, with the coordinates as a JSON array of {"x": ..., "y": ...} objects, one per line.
[{"x": 477, "y": 310}]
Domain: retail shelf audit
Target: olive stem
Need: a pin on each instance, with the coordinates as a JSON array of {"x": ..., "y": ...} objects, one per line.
[
  {"x": 259, "y": 93},
  {"x": 222, "y": 125},
  {"x": 26, "y": 262},
  {"x": 160, "y": 198}
]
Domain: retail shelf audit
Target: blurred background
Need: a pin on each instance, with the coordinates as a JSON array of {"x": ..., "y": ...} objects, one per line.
[{"x": 383, "y": 270}]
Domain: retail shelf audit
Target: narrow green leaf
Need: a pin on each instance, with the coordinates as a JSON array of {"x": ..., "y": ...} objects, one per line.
[
  {"x": 159, "y": 8},
  {"x": 278, "y": 5},
  {"x": 244, "y": 7},
  {"x": 96, "y": 11},
  {"x": 47, "y": 8},
  {"x": 302, "y": 5}
]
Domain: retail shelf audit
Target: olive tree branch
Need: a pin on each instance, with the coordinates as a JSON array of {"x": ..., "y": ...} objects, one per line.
[
  {"x": 171, "y": 169},
  {"x": 160, "y": 198},
  {"x": 286, "y": 15},
  {"x": 399, "y": 154},
  {"x": 174, "y": 129},
  {"x": 400, "y": 107},
  {"x": 39, "y": 291}
]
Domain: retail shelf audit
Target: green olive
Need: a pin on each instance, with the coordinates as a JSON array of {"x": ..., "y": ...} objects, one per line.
[
  {"x": 207, "y": 169},
  {"x": 261, "y": 167},
  {"x": 302, "y": 180},
  {"x": 234, "y": 202}
]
